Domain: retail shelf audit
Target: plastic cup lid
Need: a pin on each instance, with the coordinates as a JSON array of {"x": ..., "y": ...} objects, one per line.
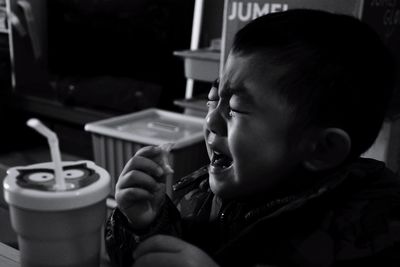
[{"x": 35, "y": 198}]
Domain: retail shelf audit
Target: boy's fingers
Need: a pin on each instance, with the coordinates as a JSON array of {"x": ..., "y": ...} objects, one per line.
[
  {"x": 156, "y": 153},
  {"x": 125, "y": 197},
  {"x": 159, "y": 244},
  {"x": 137, "y": 178},
  {"x": 163, "y": 250},
  {"x": 148, "y": 151},
  {"x": 144, "y": 164},
  {"x": 156, "y": 260}
]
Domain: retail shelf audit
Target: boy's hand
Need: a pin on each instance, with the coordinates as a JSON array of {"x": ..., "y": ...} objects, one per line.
[
  {"x": 164, "y": 251},
  {"x": 140, "y": 190}
]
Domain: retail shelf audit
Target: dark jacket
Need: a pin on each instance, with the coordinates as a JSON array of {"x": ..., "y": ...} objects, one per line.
[{"x": 351, "y": 218}]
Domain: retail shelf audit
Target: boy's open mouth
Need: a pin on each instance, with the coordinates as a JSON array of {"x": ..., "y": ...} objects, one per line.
[{"x": 220, "y": 160}]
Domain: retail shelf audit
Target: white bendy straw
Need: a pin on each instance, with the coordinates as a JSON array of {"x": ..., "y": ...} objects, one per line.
[
  {"x": 54, "y": 151},
  {"x": 166, "y": 149}
]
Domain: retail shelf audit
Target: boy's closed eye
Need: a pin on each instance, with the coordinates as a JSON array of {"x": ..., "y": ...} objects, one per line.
[
  {"x": 237, "y": 106},
  {"x": 233, "y": 107}
]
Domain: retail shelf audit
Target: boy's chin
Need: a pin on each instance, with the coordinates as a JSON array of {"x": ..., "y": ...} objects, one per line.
[
  {"x": 215, "y": 186},
  {"x": 221, "y": 189}
]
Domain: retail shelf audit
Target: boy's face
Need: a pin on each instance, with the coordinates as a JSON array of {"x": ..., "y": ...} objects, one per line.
[{"x": 246, "y": 131}]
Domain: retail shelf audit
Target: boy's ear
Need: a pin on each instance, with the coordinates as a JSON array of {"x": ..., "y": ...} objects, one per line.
[{"x": 329, "y": 150}]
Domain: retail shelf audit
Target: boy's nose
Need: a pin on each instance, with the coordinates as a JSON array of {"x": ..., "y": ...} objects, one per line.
[{"x": 215, "y": 123}]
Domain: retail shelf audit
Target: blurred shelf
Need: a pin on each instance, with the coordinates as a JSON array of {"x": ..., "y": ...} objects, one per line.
[
  {"x": 201, "y": 64},
  {"x": 196, "y": 106},
  {"x": 54, "y": 109}
]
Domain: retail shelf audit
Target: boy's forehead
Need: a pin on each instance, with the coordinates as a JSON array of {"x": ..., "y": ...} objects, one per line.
[
  {"x": 236, "y": 75},
  {"x": 250, "y": 75}
]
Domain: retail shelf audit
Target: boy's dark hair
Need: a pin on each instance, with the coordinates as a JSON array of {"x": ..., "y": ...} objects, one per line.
[{"x": 339, "y": 74}]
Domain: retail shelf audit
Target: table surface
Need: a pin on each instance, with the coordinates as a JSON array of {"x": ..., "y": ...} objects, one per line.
[{"x": 9, "y": 257}]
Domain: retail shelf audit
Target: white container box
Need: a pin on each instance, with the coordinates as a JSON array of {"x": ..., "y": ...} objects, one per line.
[{"x": 116, "y": 140}]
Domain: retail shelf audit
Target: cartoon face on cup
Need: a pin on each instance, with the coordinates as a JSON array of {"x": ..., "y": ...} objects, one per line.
[{"x": 76, "y": 176}]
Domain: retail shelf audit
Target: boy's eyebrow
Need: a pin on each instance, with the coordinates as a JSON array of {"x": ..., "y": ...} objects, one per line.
[{"x": 240, "y": 90}]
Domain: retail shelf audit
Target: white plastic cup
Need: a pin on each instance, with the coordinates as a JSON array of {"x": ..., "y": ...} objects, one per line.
[{"x": 58, "y": 228}]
